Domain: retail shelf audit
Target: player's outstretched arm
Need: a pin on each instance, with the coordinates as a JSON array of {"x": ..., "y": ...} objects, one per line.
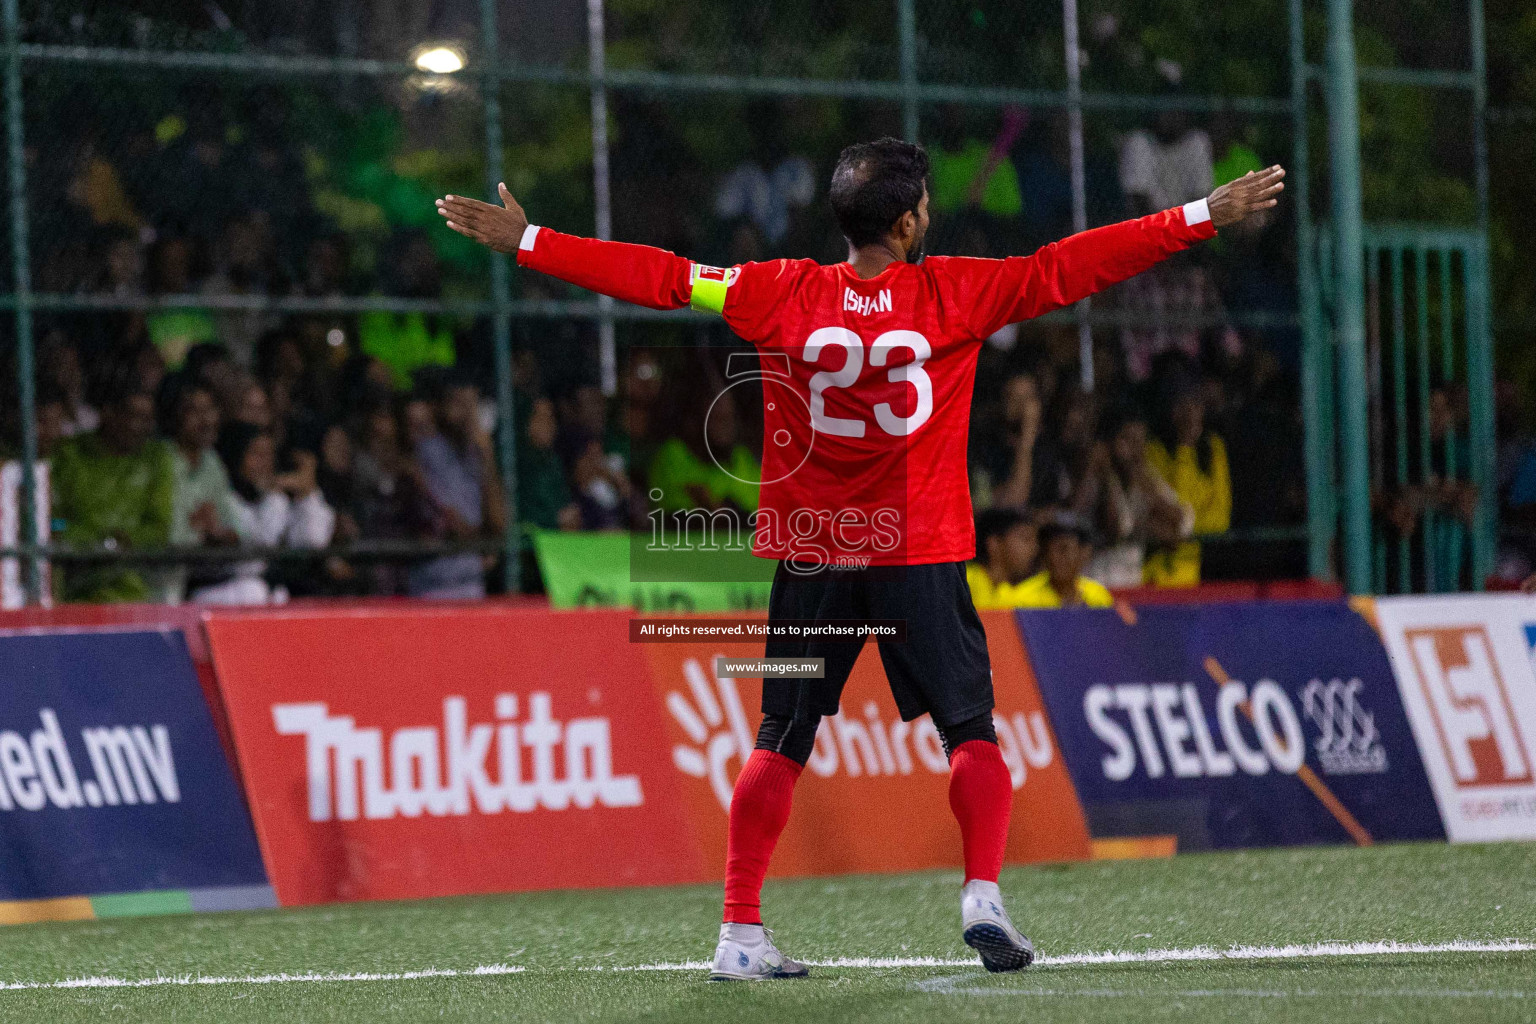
[
  {"x": 1074, "y": 268},
  {"x": 640, "y": 274}
]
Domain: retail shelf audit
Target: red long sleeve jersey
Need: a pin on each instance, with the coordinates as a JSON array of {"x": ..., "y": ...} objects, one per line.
[{"x": 866, "y": 420}]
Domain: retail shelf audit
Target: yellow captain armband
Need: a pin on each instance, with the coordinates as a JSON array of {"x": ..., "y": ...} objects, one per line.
[{"x": 709, "y": 287}]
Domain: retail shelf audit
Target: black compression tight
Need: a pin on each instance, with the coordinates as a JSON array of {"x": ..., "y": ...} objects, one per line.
[
  {"x": 792, "y": 737},
  {"x": 978, "y": 728},
  {"x": 795, "y": 737}
]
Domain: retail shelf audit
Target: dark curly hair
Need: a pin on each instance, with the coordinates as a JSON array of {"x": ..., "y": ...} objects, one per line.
[{"x": 873, "y": 184}]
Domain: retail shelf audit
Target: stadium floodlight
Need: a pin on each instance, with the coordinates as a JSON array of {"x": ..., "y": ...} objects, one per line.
[{"x": 439, "y": 58}]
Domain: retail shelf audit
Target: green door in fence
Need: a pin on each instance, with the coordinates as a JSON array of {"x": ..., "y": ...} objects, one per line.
[{"x": 1431, "y": 418}]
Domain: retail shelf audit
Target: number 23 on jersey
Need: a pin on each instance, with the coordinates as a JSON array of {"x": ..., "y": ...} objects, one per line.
[{"x": 879, "y": 355}]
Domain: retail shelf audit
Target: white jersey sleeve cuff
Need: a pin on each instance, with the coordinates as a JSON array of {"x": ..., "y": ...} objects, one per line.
[
  {"x": 1197, "y": 212},
  {"x": 529, "y": 234}
]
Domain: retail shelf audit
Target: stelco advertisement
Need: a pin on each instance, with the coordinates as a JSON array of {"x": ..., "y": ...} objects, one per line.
[{"x": 1230, "y": 725}]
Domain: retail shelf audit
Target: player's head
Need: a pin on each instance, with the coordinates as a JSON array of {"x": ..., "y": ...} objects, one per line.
[
  {"x": 1006, "y": 544},
  {"x": 880, "y": 193}
]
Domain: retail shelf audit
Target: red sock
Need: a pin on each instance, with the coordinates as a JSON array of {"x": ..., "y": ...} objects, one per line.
[
  {"x": 759, "y": 809},
  {"x": 981, "y": 795}
]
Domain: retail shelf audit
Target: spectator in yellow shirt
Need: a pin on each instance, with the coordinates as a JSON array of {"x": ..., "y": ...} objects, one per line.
[
  {"x": 1066, "y": 544},
  {"x": 1006, "y": 547},
  {"x": 1193, "y": 460}
]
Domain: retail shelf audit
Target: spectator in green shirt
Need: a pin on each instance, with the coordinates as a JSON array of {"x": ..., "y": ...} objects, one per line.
[
  {"x": 175, "y": 330},
  {"x": 969, "y": 173},
  {"x": 406, "y": 342},
  {"x": 409, "y": 342},
  {"x": 725, "y": 474},
  {"x": 202, "y": 503},
  {"x": 114, "y": 488},
  {"x": 543, "y": 496}
]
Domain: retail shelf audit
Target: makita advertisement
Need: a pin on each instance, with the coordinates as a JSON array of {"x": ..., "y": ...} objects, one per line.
[
  {"x": 112, "y": 779},
  {"x": 1231, "y": 725},
  {"x": 1465, "y": 665},
  {"x": 429, "y": 752}
]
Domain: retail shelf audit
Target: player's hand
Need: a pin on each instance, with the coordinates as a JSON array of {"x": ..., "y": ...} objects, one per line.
[
  {"x": 1254, "y": 191},
  {"x": 500, "y": 227}
]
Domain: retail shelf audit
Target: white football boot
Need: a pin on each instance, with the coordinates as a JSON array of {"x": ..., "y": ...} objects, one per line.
[
  {"x": 746, "y": 953},
  {"x": 989, "y": 931}
]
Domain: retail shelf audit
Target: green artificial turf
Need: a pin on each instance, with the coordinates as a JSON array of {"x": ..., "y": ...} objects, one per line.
[{"x": 1426, "y": 893}]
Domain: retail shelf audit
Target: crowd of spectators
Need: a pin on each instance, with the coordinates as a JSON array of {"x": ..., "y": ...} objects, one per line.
[
  {"x": 214, "y": 425},
  {"x": 1136, "y": 477},
  {"x": 212, "y": 455}
]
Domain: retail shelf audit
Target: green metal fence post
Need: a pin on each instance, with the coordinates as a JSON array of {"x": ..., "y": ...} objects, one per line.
[
  {"x": 1479, "y": 329},
  {"x": 1074, "y": 68},
  {"x": 1448, "y": 556},
  {"x": 1349, "y": 304},
  {"x": 1375, "y": 412},
  {"x": 501, "y": 294},
  {"x": 1322, "y": 521},
  {"x": 1480, "y": 112},
  {"x": 26, "y": 397},
  {"x": 1426, "y": 455},
  {"x": 1400, "y": 407},
  {"x": 906, "y": 21},
  {"x": 1480, "y": 428},
  {"x": 602, "y": 196}
]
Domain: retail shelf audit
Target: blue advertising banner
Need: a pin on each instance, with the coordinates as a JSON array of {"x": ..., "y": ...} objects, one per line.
[
  {"x": 1231, "y": 725},
  {"x": 112, "y": 779}
]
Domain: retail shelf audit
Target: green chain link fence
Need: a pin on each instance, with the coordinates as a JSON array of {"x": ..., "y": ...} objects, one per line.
[{"x": 315, "y": 132}]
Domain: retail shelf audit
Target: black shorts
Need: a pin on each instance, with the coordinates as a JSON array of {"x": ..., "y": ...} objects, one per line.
[{"x": 941, "y": 669}]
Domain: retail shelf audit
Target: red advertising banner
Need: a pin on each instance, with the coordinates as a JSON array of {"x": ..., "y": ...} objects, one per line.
[
  {"x": 875, "y": 794},
  {"x": 424, "y": 752},
  {"x": 414, "y": 753}
]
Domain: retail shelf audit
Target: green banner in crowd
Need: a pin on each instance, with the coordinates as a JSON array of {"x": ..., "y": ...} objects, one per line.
[{"x": 587, "y": 570}]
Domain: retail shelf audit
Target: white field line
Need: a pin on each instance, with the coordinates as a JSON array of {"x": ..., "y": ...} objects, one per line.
[
  {"x": 1154, "y": 956},
  {"x": 255, "y": 979},
  {"x": 1290, "y": 952},
  {"x": 1321, "y": 949},
  {"x": 952, "y": 987}
]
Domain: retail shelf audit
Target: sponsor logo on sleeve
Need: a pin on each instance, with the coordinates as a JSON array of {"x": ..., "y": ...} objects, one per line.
[{"x": 725, "y": 275}]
